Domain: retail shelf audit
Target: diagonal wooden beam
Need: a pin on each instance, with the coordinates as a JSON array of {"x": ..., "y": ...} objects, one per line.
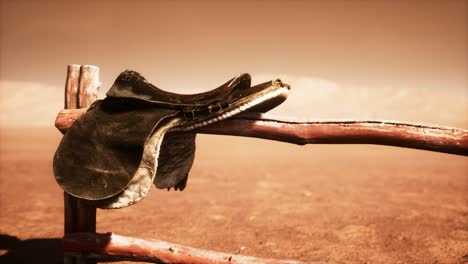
[
  {"x": 114, "y": 247},
  {"x": 416, "y": 136}
]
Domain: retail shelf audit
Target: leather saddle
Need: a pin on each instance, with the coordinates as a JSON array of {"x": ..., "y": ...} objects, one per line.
[{"x": 139, "y": 135}]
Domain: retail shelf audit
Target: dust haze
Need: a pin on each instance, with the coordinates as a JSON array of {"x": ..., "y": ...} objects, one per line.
[{"x": 363, "y": 60}]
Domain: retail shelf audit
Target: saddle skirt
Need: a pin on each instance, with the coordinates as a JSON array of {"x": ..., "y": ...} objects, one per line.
[{"x": 139, "y": 135}]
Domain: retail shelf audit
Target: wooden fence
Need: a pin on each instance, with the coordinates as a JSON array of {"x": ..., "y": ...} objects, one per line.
[{"x": 81, "y": 243}]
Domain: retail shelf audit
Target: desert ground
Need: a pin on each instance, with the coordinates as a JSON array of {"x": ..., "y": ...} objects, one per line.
[{"x": 331, "y": 203}]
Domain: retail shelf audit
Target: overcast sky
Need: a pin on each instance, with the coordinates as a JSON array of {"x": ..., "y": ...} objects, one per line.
[{"x": 187, "y": 46}]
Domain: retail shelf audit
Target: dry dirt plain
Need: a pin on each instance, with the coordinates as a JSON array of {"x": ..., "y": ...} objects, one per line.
[{"x": 342, "y": 204}]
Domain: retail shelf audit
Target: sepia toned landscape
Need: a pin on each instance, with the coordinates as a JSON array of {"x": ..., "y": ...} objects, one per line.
[
  {"x": 342, "y": 204},
  {"x": 345, "y": 60}
]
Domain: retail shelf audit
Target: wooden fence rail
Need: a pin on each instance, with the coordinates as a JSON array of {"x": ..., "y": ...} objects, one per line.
[
  {"x": 439, "y": 139},
  {"x": 114, "y": 247}
]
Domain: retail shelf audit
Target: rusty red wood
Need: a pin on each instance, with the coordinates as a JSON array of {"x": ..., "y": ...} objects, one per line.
[
  {"x": 439, "y": 139},
  {"x": 114, "y": 247},
  {"x": 67, "y": 117},
  {"x": 390, "y": 133}
]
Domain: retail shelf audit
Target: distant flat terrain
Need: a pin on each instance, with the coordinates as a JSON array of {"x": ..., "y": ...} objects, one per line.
[{"x": 343, "y": 204}]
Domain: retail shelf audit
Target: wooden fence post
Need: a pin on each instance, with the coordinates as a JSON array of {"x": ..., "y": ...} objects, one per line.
[{"x": 81, "y": 89}]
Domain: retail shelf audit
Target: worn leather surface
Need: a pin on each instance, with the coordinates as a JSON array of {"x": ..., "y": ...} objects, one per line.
[
  {"x": 130, "y": 84},
  {"x": 114, "y": 152},
  {"x": 175, "y": 160},
  {"x": 100, "y": 153},
  {"x": 143, "y": 178}
]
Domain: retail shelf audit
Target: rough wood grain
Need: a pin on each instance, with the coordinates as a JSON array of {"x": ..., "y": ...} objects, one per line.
[
  {"x": 424, "y": 137},
  {"x": 89, "y": 85},
  {"x": 114, "y": 247},
  {"x": 71, "y": 86},
  {"x": 81, "y": 89},
  {"x": 67, "y": 117}
]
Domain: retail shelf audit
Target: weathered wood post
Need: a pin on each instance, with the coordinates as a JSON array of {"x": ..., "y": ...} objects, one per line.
[{"x": 81, "y": 89}]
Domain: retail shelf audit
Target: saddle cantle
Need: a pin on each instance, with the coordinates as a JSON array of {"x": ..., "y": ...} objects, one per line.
[{"x": 140, "y": 134}]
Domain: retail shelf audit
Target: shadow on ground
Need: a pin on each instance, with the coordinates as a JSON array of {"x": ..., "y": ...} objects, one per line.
[{"x": 39, "y": 250}]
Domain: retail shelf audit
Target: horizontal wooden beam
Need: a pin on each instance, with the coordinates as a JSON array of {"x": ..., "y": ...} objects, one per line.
[
  {"x": 439, "y": 139},
  {"x": 114, "y": 247}
]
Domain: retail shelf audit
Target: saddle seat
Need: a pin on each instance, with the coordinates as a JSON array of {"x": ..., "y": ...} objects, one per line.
[{"x": 130, "y": 84}]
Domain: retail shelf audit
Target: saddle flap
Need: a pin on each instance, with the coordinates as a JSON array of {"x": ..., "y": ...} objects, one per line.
[
  {"x": 176, "y": 158},
  {"x": 98, "y": 156}
]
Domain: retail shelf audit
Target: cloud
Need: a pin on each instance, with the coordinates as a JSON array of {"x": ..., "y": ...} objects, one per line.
[
  {"x": 29, "y": 104},
  {"x": 320, "y": 99},
  {"x": 35, "y": 104}
]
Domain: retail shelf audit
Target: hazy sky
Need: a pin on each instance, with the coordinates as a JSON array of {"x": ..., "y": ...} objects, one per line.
[
  {"x": 197, "y": 45},
  {"x": 357, "y": 41}
]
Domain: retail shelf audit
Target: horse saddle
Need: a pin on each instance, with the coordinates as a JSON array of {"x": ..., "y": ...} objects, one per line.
[{"x": 140, "y": 134}]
